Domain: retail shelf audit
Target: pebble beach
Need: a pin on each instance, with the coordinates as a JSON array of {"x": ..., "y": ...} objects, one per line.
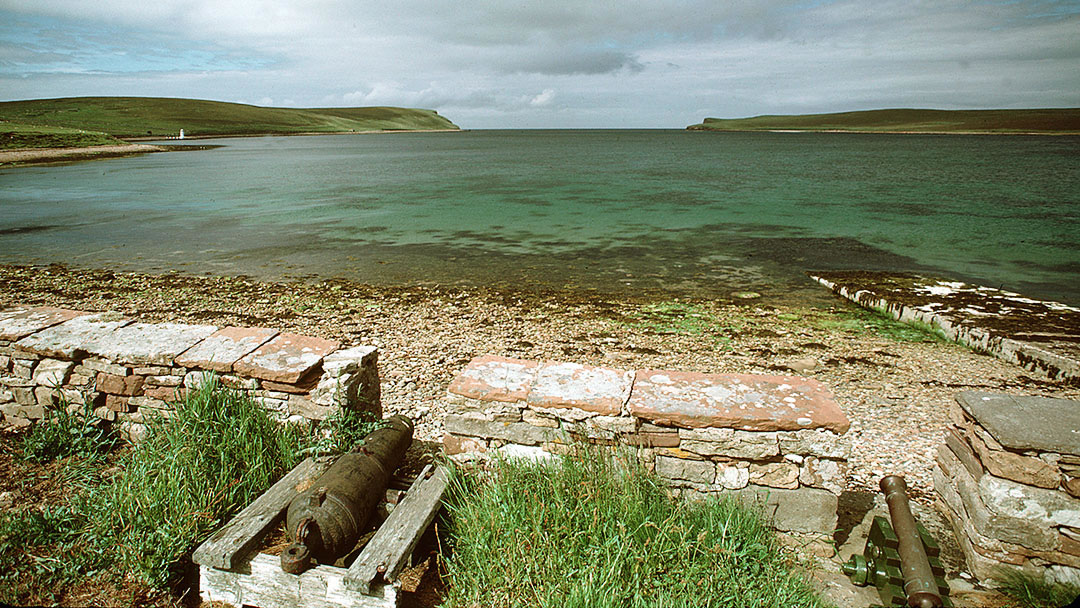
[{"x": 895, "y": 393}]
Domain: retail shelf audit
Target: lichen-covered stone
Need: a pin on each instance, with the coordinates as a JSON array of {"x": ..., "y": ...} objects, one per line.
[
  {"x": 702, "y": 472},
  {"x": 147, "y": 343},
  {"x": 824, "y": 473},
  {"x": 17, "y": 323},
  {"x": 512, "y": 432},
  {"x": 52, "y": 373},
  {"x": 491, "y": 378},
  {"x": 601, "y": 390},
  {"x": 287, "y": 358},
  {"x": 733, "y": 475},
  {"x": 223, "y": 348},
  {"x": 738, "y": 401},
  {"x": 806, "y": 510},
  {"x": 729, "y": 442},
  {"x": 814, "y": 442},
  {"x": 774, "y": 474}
]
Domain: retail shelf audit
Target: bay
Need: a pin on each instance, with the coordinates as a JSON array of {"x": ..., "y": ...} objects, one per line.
[{"x": 613, "y": 211}]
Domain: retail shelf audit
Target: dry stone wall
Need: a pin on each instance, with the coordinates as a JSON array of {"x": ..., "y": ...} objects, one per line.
[
  {"x": 777, "y": 441},
  {"x": 1008, "y": 480},
  {"x": 124, "y": 368}
]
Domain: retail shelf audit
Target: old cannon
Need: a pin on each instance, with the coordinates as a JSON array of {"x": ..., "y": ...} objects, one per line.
[
  {"x": 900, "y": 558},
  {"x": 327, "y": 519}
]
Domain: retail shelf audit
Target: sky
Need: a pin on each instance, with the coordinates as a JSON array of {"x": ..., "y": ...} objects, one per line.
[{"x": 552, "y": 63}]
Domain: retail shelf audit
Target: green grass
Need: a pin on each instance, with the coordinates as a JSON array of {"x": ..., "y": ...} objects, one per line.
[
  {"x": 1030, "y": 592},
  {"x": 20, "y": 135},
  {"x": 79, "y": 434},
  {"x": 1052, "y": 120},
  {"x": 862, "y": 321},
  {"x": 192, "y": 472},
  {"x": 591, "y": 531},
  {"x": 152, "y": 116}
]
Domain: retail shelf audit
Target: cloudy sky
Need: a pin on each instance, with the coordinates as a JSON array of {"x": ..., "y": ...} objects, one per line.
[{"x": 552, "y": 63}]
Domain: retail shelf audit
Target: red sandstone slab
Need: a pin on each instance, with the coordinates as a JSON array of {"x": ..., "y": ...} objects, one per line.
[
  {"x": 70, "y": 339},
  {"x": 148, "y": 343},
  {"x": 17, "y": 323},
  {"x": 286, "y": 358},
  {"x": 225, "y": 347},
  {"x": 491, "y": 378},
  {"x": 570, "y": 385},
  {"x": 739, "y": 401}
]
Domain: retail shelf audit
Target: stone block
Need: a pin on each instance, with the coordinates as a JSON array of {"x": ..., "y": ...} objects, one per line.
[
  {"x": 148, "y": 343},
  {"x": 697, "y": 471},
  {"x": 961, "y": 493},
  {"x": 17, "y": 323},
  {"x": 511, "y": 432},
  {"x": 733, "y": 475},
  {"x": 739, "y": 401},
  {"x": 729, "y": 442},
  {"x": 807, "y": 510},
  {"x": 525, "y": 452},
  {"x": 91, "y": 367},
  {"x": 491, "y": 378},
  {"x": 566, "y": 414},
  {"x": 1018, "y": 423},
  {"x": 164, "y": 393},
  {"x": 52, "y": 372},
  {"x": 823, "y": 473},
  {"x": 133, "y": 432},
  {"x": 148, "y": 402},
  {"x": 238, "y": 383},
  {"x": 45, "y": 395},
  {"x": 286, "y": 358},
  {"x": 6, "y": 395},
  {"x": 24, "y": 395},
  {"x": 23, "y": 369},
  {"x": 80, "y": 380},
  {"x": 195, "y": 380},
  {"x": 305, "y": 407},
  {"x": 302, "y": 388},
  {"x": 152, "y": 370},
  {"x": 1046, "y": 507},
  {"x": 30, "y": 412},
  {"x": 536, "y": 419},
  {"x": 651, "y": 436},
  {"x": 775, "y": 474},
  {"x": 120, "y": 385},
  {"x": 457, "y": 444},
  {"x": 814, "y": 442},
  {"x": 676, "y": 452},
  {"x": 602, "y": 390},
  {"x": 223, "y": 348},
  {"x": 70, "y": 339},
  {"x": 963, "y": 452},
  {"x": 165, "y": 380},
  {"x": 1022, "y": 469}
]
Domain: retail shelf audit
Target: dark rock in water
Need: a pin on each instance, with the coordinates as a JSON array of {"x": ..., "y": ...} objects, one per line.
[{"x": 1038, "y": 335}]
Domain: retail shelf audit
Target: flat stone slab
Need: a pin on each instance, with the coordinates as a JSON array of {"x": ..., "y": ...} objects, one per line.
[
  {"x": 17, "y": 323},
  {"x": 570, "y": 385},
  {"x": 148, "y": 343},
  {"x": 225, "y": 347},
  {"x": 1037, "y": 335},
  {"x": 287, "y": 358},
  {"x": 739, "y": 401},
  {"x": 491, "y": 378},
  {"x": 1022, "y": 423},
  {"x": 69, "y": 339}
]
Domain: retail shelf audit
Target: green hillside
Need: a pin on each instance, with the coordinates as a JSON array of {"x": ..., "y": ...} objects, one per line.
[
  {"x": 21, "y": 135},
  {"x": 153, "y": 116},
  {"x": 1052, "y": 120}
]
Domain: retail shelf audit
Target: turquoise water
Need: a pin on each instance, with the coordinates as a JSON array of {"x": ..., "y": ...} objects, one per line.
[{"x": 614, "y": 211}]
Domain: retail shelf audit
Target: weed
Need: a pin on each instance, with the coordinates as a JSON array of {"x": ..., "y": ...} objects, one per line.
[
  {"x": 66, "y": 434},
  {"x": 341, "y": 431},
  {"x": 673, "y": 317},
  {"x": 192, "y": 471},
  {"x": 1032, "y": 592},
  {"x": 591, "y": 530},
  {"x": 861, "y": 320}
]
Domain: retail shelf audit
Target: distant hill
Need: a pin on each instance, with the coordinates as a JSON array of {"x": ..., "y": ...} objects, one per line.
[
  {"x": 1050, "y": 121},
  {"x": 129, "y": 117}
]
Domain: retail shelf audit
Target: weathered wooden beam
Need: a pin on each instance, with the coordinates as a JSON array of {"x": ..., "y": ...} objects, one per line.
[
  {"x": 265, "y": 585},
  {"x": 387, "y": 552},
  {"x": 241, "y": 536}
]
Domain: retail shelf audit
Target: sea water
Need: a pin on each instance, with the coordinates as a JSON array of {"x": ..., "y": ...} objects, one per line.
[{"x": 616, "y": 211}]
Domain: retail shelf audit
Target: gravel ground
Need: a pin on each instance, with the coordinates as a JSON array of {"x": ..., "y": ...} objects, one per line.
[{"x": 895, "y": 393}]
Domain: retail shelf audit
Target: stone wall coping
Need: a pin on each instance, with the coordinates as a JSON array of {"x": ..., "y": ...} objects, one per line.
[
  {"x": 1026, "y": 423},
  {"x": 689, "y": 400}
]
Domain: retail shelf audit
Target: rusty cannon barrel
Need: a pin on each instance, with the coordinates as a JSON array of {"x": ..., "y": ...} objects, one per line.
[
  {"x": 920, "y": 585},
  {"x": 327, "y": 519}
]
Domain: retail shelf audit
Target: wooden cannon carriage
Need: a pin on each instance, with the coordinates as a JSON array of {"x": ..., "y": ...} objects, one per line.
[{"x": 232, "y": 570}]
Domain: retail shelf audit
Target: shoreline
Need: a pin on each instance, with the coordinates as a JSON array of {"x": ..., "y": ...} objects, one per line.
[
  {"x": 885, "y": 132},
  {"x": 20, "y": 157},
  {"x": 896, "y": 393},
  {"x": 38, "y": 156}
]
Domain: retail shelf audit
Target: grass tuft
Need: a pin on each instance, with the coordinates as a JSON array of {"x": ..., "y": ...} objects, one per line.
[
  {"x": 1032, "y": 592},
  {"x": 863, "y": 321},
  {"x": 66, "y": 434},
  {"x": 591, "y": 530}
]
